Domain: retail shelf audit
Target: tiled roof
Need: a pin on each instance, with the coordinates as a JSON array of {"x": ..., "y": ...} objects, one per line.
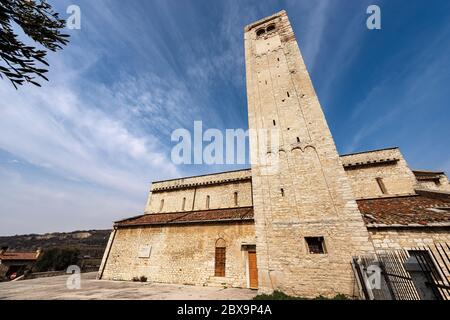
[
  {"x": 203, "y": 216},
  {"x": 18, "y": 256},
  {"x": 372, "y": 162},
  {"x": 427, "y": 172},
  {"x": 400, "y": 211}
]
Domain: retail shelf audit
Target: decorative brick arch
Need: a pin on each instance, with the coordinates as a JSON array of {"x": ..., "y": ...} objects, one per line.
[{"x": 221, "y": 243}]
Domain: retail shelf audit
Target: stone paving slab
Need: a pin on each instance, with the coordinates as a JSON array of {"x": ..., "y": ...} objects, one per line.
[{"x": 55, "y": 288}]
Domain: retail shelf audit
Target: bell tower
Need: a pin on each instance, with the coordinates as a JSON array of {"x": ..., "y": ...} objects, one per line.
[{"x": 308, "y": 225}]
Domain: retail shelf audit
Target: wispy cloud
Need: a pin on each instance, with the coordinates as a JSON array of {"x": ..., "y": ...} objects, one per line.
[
  {"x": 82, "y": 150},
  {"x": 315, "y": 20},
  {"x": 31, "y": 205},
  {"x": 56, "y": 130},
  {"x": 99, "y": 132},
  {"x": 406, "y": 91}
]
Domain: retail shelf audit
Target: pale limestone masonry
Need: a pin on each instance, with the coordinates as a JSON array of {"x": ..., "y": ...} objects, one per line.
[
  {"x": 407, "y": 238},
  {"x": 311, "y": 195},
  {"x": 432, "y": 180},
  {"x": 361, "y": 168},
  {"x": 364, "y": 168},
  {"x": 220, "y": 188},
  {"x": 403, "y": 238},
  {"x": 180, "y": 254}
]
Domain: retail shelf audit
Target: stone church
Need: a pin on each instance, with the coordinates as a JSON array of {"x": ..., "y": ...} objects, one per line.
[{"x": 295, "y": 230}]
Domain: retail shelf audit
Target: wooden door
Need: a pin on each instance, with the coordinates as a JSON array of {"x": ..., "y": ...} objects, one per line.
[
  {"x": 253, "y": 269},
  {"x": 220, "y": 262}
]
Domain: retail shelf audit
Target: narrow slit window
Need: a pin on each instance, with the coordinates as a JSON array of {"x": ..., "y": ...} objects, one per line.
[
  {"x": 274, "y": 123},
  {"x": 236, "y": 199},
  {"x": 298, "y": 140},
  {"x": 282, "y": 192},
  {"x": 183, "y": 206},
  {"x": 161, "y": 205},
  {"x": 316, "y": 245},
  {"x": 278, "y": 59},
  {"x": 208, "y": 198},
  {"x": 288, "y": 94},
  {"x": 381, "y": 185}
]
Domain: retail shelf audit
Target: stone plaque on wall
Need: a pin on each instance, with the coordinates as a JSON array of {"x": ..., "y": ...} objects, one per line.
[{"x": 144, "y": 251}]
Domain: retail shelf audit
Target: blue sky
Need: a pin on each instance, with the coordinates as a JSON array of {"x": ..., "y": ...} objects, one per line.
[{"x": 81, "y": 151}]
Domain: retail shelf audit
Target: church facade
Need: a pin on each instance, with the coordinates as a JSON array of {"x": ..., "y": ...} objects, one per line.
[{"x": 297, "y": 229}]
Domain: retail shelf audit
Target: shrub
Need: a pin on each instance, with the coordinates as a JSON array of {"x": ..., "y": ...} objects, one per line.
[
  {"x": 57, "y": 259},
  {"x": 143, "y": 279},
  {"x": 278, "y": 295}
]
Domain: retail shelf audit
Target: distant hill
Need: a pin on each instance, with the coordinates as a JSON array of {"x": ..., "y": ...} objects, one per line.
[{"x": 91, "y": 242}]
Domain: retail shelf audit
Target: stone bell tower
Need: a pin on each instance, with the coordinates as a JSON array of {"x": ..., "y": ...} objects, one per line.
[{"x": 308, "y": 225}]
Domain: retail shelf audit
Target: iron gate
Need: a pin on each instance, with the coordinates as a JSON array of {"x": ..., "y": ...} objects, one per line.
[{"x": 419, "y": 273}]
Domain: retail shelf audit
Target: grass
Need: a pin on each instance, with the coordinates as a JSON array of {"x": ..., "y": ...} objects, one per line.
[{"x": 278, "y": 295}]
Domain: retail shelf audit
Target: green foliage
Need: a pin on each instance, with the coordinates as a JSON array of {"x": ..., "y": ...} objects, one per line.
[
  {"x": 339, "y": 296},
  {"x": 57, "y": 259},
  {"x": 278, "y": 295},
  {"x": 93, "y": 245},
  {"x": 39, "y": 22},
  {"x": 140, "y": 279}
]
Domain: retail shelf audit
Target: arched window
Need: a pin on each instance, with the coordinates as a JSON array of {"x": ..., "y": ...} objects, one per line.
[
  {"x": 220, "y": 258},
  {"x": 270, "y": 28},
  {"x": 208, "y": 198},
  {"x": 236, "y": 200},
  {"x": 260, "y": 32}
]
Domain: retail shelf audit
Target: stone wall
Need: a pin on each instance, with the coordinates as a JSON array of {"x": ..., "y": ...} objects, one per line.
[
  {"x": 219, "y": 187},
  {"x": 364, "y": 168},
  {"x": 408, "y": 238},
  {"x": 310, "y": 195},
  {"x": 180, "y": 254},
  {"x": 419, "y": 238},
  {"x": 203, "y": 179},
  {"x": 439, "y": 184}
]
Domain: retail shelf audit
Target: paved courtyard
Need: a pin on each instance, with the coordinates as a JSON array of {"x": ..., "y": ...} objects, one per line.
[{"x": 92, "y": 289}]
